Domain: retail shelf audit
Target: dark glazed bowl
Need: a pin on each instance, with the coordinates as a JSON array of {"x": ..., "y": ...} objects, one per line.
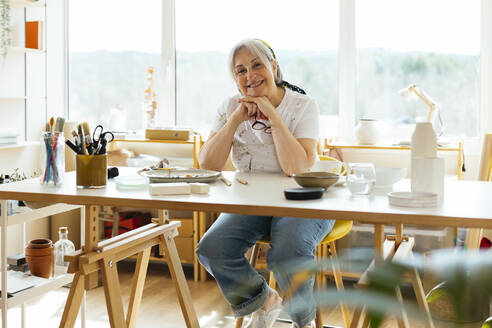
[{"x": 316, "y": 179}]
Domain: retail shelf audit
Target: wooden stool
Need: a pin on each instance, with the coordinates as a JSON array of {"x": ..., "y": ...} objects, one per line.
[
  {"x": 393, "y": 248},
  {"x": 105, "y": 257},
  {"x": 340, "y": 229}
]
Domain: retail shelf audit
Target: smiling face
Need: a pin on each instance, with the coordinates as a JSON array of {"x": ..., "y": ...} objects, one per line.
[{"x": 252, "y": 76}]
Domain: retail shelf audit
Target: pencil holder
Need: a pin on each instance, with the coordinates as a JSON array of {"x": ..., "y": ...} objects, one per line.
[
  {"x": 52, "y": 158},
  {"x": 91, "y": 171}
]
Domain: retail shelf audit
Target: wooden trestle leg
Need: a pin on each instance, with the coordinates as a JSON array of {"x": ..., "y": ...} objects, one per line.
[
  {"x": 74, "y": 300},
  {"x": 105, "y": 255}
]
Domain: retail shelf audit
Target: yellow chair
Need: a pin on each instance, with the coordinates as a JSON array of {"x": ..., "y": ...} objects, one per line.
[{"x": 340, "y": 229}]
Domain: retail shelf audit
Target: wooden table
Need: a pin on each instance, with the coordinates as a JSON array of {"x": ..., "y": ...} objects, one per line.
[{"x": 466, "y": 204}]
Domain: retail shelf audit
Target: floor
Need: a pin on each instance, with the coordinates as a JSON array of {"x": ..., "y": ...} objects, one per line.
[{"x": 159, "y": 306}]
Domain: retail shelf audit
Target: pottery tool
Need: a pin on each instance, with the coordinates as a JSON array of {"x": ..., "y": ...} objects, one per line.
[
  {"x": 52, "y": 124},
  {"x": 73, "y": 147},
  {"x": 87, "y": 139},
  {"x": 59, "y": 124},
  {"x": 173, "y": 188},
  {"x": 82, "y": 138},
  {"x": 76, "y": 138},
  {"x": 224, "y": 180},
  {"x": 242, "y": 181}
]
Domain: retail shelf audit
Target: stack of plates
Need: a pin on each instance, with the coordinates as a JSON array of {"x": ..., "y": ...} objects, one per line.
[{"x": 413, "y": 199}]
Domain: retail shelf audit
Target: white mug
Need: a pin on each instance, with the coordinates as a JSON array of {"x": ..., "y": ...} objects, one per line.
[{"x": 329, "y": 164}]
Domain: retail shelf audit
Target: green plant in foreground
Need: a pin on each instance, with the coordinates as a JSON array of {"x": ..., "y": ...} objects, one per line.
[{"x": 465, "y": 274}]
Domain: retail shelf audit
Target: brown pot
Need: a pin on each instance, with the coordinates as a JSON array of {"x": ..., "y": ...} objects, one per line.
[{"x": 40, "y": 257}]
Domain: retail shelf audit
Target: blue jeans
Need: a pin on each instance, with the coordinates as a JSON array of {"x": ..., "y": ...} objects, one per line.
[{"x": 221, "y": 251}]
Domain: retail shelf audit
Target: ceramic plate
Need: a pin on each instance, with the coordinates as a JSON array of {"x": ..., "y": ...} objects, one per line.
[
  {"x": 131, "y": 182},
  {"x": 413, "y": 199},
  {"x": 180, "y": 175}
]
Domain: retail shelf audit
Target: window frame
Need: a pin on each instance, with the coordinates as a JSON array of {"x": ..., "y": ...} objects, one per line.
[{"x": 347, "y": 69}]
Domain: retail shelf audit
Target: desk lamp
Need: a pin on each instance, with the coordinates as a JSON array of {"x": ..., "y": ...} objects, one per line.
[{"x": 409, "y": 94}]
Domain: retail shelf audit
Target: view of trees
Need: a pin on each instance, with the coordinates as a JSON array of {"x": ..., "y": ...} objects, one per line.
[{"x": 99, "y": 81}]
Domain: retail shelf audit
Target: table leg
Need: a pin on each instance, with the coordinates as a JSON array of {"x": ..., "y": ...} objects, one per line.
[
  {"x": 356, "y": 317},
  {"x": 403, "y": 320},
  {"x": 74, "y": 299},
  {"x": 180, "y": 283},
  {"x": 137, "y": 287},
  {"x": 196, "y": 264},
  {"x": 420, "y": 295},
  {"x": 473, "y": 238},
  {"x": 112, "y": 292},
  {"x": 202, "y": 225},
  {"x": 378, "y": 241},
  {"x": 91, "y": 240},
  {"x": 337, "y": 275},
  {"x": 399, "y": 234}
]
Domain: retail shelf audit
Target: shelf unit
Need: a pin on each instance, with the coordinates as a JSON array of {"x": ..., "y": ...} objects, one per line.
[
  {"x": 22, "y": 218},
  {"x": 458, "y": 148},
  {"x": 18, "y": 145},
  {"x": 23, "y": 75}
]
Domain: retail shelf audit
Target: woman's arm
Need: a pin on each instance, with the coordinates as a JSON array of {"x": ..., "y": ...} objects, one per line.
[
  {"x": 214, "y": 153},
  {"x": 294, "y": 155}
]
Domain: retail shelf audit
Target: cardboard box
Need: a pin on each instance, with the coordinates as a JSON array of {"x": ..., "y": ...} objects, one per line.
[{"x": 167, "y": 134}]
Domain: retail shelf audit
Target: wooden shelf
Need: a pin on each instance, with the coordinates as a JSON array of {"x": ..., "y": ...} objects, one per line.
[
  {"x": 27, "y": 4},
  {"x": 18, "y": 145},
  {"x": 29, "y": 215},
  {"x": 189, "y": 141},
  {"x": 16, "y": 98},
  {"x": 13, "y": 97},
  {"x": 38, "y": 290},
  {"x": 26, "y": 50}
]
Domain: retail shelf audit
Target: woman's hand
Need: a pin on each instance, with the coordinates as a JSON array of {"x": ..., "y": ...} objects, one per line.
[
  {"x": 244, "y": 112},
  {"x": 262, "y": 108}
]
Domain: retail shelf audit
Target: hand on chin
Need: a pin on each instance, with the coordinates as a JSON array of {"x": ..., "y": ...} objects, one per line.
[{"x": 254, "y": 92}]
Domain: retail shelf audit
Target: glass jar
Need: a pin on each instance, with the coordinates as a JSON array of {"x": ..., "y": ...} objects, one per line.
[
  {"x": 361, "y": 178},
  {"x": 62, "y": 247},
  {"x": 52, "y": 157}
]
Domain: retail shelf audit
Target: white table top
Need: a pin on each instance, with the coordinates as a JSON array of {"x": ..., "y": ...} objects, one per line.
[{"x": 466, "y": 203}]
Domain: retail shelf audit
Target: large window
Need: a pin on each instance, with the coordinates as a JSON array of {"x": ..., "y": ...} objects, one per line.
[
  {"x": 303, "y": 35},
  {"x": 433, "y": 44},
  {"x": 112, "y": 44}
]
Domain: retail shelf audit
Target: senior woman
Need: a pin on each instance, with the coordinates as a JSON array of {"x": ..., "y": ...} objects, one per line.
[{"x": 271, "y": 126}]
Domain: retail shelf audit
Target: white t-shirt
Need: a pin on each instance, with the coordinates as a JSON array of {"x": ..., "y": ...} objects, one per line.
[{"x": 254, "y": 150}]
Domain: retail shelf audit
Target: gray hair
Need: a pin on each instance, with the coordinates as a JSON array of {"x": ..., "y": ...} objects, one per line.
[{"x": 261, "y": 50}]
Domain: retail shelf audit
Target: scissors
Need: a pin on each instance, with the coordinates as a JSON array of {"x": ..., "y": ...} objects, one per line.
[{"x": 100, "y": 138}]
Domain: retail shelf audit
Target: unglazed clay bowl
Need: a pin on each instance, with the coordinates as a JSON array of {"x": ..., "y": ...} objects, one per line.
[{"x": 316, "y": 179}]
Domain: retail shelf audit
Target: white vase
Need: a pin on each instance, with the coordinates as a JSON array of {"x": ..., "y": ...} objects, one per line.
[
  {"x": 367, "y": 132},
  {"x": 424, "y": 141}
]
